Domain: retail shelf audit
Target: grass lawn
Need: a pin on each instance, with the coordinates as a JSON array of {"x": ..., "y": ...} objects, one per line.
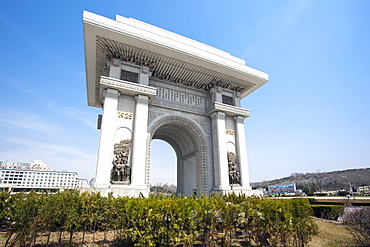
[{"x": 331, "y": 233}]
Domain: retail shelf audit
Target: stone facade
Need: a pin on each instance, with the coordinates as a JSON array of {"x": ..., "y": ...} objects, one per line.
[{"x": 148, "y": 92}]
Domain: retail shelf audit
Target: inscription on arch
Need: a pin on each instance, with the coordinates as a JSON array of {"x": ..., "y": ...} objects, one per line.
[{"x": 180, "y": 97}]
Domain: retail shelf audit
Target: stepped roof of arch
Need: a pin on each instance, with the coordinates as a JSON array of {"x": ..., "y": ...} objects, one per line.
[{"x": 169, "y": 56}]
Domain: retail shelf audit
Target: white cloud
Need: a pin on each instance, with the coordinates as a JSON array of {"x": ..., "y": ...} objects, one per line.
[
  {"x": 26, "y": 136},
  {"x": 249, "y": 49},
  {"x": 22, "y": 87},
  {"x": 294, "y": 12},
  {"x": 21, "y": 34},
  {"x": 83, "y": 116},
  {"x": 27, "y": 120},
  {"x": 274, "y": 25},
  {"x": 61, "y": 157}
]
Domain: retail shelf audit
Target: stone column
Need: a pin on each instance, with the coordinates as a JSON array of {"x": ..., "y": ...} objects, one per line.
[
  {"x": 241, "y": 151},
  {"x": 140, "y": 132},
  {"x": 221, "y": 169},
  {"x": 106, "y": 144}
]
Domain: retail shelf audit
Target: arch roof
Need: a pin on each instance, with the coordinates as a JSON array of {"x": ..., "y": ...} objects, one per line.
[{"x": 169, "y": 56}]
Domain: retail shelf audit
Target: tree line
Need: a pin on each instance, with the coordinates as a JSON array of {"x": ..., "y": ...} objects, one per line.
[
  {"x": 323, "y": 181},
  {"x": 218, "y": 220}
]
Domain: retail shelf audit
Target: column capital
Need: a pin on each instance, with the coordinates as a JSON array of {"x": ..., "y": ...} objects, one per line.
[
  {"x": 111, "y": 92},
  {"x": 218, "y": 115},
  {"x": 238, "y": 118},
  {"x": 141, "y": 98}
]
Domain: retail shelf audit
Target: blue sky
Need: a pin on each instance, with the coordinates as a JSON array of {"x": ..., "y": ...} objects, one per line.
[{"x": 313, "y": 114}]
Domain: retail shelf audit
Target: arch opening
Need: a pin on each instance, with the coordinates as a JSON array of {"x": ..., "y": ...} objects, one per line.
[
  {"x": 163, "y": 164},
  {"x": 185, "y": 143}
]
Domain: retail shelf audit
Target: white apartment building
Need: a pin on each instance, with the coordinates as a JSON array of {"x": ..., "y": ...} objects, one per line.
[
  {"x": 35, "y": 165},
  {"x": 82, "y": 183},
  {"x": 35, "y": 175}
]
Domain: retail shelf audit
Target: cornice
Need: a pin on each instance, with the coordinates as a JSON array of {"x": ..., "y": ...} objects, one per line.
[
  {"x": 229, "y": 110},
  {"x": 127, "y": 88},
  {"x": 170, "y": 57},
  {"x": 153, "y": 34}
]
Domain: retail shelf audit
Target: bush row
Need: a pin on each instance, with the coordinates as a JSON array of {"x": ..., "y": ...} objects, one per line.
[
  {"x": 329, "y": 212},
  {"x": 157, "y": 221}
]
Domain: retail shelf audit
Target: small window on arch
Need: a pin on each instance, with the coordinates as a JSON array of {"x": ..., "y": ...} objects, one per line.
[
  {"x": 227, "y": 100},
  {"x": 129, "y": 76}
]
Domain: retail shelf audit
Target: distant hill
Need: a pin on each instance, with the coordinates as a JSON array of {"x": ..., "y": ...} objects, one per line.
[{"x": 323, "y": 181}]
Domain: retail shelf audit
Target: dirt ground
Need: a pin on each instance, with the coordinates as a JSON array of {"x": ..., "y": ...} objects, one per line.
[{"x": 331, "y": 234}]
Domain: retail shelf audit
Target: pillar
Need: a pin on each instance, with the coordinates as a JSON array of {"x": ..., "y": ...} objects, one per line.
[
  {"x": 106, "y": 144},
  {"x": 241, "y": 151},
  {"x": 221, "y": 169},
  {"x": 140, "y": 132}
]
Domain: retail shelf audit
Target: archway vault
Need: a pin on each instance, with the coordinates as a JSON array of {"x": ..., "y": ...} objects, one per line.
[{"x": 188, "y": 141}]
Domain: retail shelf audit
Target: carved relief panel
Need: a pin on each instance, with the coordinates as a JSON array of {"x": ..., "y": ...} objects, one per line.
[
  {"x": 121, "y": 171},
  {"x": 234, "y": 174}
]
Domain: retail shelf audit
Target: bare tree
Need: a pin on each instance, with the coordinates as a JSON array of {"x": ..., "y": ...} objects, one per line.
[{"x": 358, "y": 222}]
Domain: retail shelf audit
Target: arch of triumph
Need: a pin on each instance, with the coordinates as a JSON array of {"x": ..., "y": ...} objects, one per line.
[{"x": 155, "y": 84}]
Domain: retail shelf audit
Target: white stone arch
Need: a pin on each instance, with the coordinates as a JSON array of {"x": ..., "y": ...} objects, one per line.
[
  {"x": 188, "y": 133},
  {"x": 147, "y": 82}
]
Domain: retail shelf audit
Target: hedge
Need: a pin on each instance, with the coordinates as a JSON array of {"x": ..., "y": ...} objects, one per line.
[
  {"x": 157, "y": 221},
  {"x": 329, "y": 212}
]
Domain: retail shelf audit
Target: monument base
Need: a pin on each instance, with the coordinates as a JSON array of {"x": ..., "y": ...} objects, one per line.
[
  {"x": 121, "y": 190},
  {"x": 237, "y": 189}
]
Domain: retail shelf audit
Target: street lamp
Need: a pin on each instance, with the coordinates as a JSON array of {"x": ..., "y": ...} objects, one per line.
[
  {"x": 349, "y": 183},
  {"x": 167, "y": 219}
]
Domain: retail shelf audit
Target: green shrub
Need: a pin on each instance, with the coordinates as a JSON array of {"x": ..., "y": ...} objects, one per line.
[
  {"x": 160, "y": 221},
  {"x": 329, "y": 212}
]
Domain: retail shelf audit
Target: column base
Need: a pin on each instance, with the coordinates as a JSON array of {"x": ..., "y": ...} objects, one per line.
[
  {"x": 247, "y": 191},
  {"x": 238, "y": 189},
  {"x": 122, "y": 190},
  {"x": 221, "y": 189}
]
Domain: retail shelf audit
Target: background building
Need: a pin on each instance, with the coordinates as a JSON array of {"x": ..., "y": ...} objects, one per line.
[
  {"x": 20, "y": 176},
  {"x": 35, "y": 165},
  {"x": 82, "y": 183}
]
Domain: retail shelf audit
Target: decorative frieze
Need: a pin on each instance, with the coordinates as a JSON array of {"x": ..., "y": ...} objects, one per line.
[
  {"x": 180, "y": 97},
  {"x": 152, "y": 115},
  {"x": 180, "y": 107},
  {"x": 202, "y": 124}
]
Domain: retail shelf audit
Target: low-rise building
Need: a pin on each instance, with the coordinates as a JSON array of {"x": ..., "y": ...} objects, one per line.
[
  {"x": 82, "y": 183},
  {"x": 36, "y": 175},
  {"x": 363, "y": 190}
]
